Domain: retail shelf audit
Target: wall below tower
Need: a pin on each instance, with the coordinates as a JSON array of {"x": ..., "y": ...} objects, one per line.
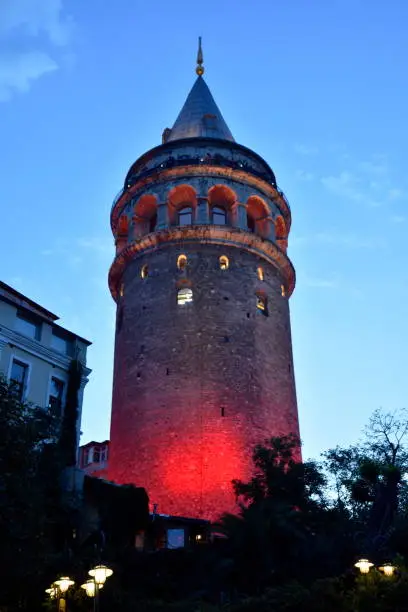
[{"x": 197, "y": 386}]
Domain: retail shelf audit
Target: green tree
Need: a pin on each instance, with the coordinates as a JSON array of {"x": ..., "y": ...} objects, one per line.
[
  {"x": 285, "y": 528},
  {"x": 29, "y": 495}
]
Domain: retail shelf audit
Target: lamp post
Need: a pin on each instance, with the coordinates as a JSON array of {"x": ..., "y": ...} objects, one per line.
[
  {"x": 364, "y": 565},
  {"x": 92, "y": 587},
  {"x": 99, "y": 574},
  {"x": 57, "y": 591}
]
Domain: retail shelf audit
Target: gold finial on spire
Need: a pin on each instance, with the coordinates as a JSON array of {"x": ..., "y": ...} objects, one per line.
[{"x": 200, "y": 59}]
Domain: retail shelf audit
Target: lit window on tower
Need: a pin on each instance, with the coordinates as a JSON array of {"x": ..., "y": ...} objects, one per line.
[
  {"x": 262, "y": 304},
  {"x": 121, "y": 290},
  {"x": 283, "y": 291},
  {"x": 181, "y": 262},
  {"x": 224, "y": 262},
  {"x": 260, "y": 273},
  {"x": 184, "y": 296},
  {"x": 144, "y": 272}
]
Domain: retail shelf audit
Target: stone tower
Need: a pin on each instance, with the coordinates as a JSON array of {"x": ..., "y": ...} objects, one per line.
[{"x": 203, "y": 354}]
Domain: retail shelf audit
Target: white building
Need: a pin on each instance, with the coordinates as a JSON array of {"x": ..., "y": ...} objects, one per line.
[{"x": 36, "y": 352}]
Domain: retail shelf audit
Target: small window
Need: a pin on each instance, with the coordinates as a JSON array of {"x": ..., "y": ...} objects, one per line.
[
  {"x": 100, "y": 454},
  {"x": 60, "y": 344},
  {"x": 18, "y": 378},
  {"x": 122, "y": 290},
  {"x": 262, "y": 304},
  {"x": 260, "y": 273},
  {"x": 175, "y": 538},
  {"x": 250, "y": 223},
  {"x": 184, "y": 296},
  {"x": 185, "y": 216},
  {"x": 55, "y": 398},
  {"x": 181, "y": 262},
  {"x": 153, "y": 223},
  {"x": 28, "y": 327},
  {"x": 224, "y": 262},
  {"x": 88, "y": 455},
  {"x": 283, "y": 291},
  {"x": 218, "y": 216},
  {"x": 144, "y": 272}
]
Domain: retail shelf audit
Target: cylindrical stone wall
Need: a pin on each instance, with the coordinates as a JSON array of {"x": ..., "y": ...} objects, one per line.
[{"x": 197, "y": 386}]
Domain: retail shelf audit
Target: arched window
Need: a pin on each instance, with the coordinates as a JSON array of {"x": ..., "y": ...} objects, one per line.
[
  {"x": 153, "y": 223},
  {"x": 181, "y": 262},
  {"x": 144, "y": 272},
  {"x": 218, "y": 216},
  {"x": 258, "y": 216},
  {"x": 185, "y": 216},
  {"x": 184, "y": 296},
  {"x": 283, "y": 291},
  {"x": 145, "y": 215},
  {"x": 260, "y": 273},
  {"x": 224, "y": 262},
  {"x": 262, "y": 303}
]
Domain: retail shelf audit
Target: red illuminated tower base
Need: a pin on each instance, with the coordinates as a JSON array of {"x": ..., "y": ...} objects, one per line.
[{"x": 203, "y": 355}]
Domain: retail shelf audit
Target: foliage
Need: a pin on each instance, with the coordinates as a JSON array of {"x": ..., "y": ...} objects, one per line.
[
  {"x": 28, "y": 492},
  {"x": 292, "y": 545},
  {"x": 69, "y": 436}
]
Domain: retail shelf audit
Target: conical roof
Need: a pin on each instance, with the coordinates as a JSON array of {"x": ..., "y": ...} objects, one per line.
[{"x": 200, "y": 116}]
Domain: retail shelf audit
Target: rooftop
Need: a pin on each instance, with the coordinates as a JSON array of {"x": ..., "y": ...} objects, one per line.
[{"x": 200, "y": 116}]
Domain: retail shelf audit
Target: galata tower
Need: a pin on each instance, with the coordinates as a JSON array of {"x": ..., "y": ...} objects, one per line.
[{"x": 203, "y": 353}]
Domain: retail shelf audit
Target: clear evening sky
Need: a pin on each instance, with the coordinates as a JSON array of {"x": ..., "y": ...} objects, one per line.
[{"x": 317, "y": 87}]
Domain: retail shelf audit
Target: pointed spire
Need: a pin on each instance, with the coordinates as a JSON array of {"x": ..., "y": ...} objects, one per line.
[
  {"x": 200, "y": 59},
  {"x": 200, "y": 115}
]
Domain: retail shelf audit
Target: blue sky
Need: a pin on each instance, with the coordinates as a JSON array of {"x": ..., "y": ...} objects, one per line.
[{"x": 318, "y": 88}]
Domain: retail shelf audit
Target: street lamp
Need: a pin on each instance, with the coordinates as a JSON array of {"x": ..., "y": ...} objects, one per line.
[
  {"x": 63, "y": 584},
  {"x": 52, "y": 592},
  {"x": 388, "y": 569},
  {"x": 57, "y": 591},
  {"x": 90, "y": 587},
  {"x": 364, "y": 565},
  {"x": 100, "y": 573}
]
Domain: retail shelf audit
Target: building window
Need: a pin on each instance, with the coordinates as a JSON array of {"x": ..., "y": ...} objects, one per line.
[
  {"x": 184, "y": 296},
  {"x": 100, "y": 454},
  {"x": 28, "y": 327},
  {"x": 87, "y": 457},
  {"x": 55, "y": 398},
  {"x": 181, "y": 262},
  {"x": 121, "y": 290},
  {"x": 175, "y": 538},
  {"x": 224, "y": 262},
  {"x": 283, "y": 291},
  {"x": 185, "y": 216},
  {"x": 60, "y": 344},
  {"x": 218, "y": 216},
  {"x": 153, "y": 223},
  {"x": 262, "y": 304},
  {"x": 260, "y": 273},
  {"x": 18, "y": 378},
  {"x": 250, "y": 223},
  {"x": 144, "y": 272}
]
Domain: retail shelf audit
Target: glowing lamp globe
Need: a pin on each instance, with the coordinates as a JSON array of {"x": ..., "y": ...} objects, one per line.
[
  {"x": 52, "y": 592},
  {"x": 388, "y": 569},
  {"x": 100, "y": 573},
  {"x": 364, "y": 565},
  {"x": 63, "y": 584},
  {"x": 90, "y": 587}
]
